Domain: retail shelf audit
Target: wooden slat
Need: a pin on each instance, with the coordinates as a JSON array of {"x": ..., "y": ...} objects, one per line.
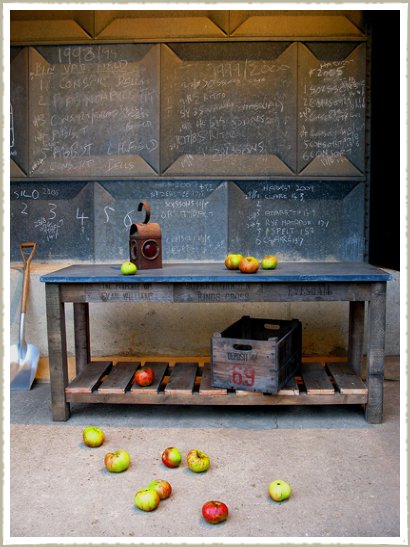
[
  {"x": 89, "y": 377},
  {"x": 315, "y": 379},
  {"x": 159, "y": 371},
  {"x": 182, "y": 379},
  {"x": 346, "y": 379},
  {"x": 120, "y": 377},
  {"x": 205, "y": 387}
]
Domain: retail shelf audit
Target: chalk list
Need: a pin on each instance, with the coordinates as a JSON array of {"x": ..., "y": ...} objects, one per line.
[
  {"x": 331, "y": 117},
  {"x": 229, "y": 108},
  {"x": 313, "y": 220},
  {"x": 192, "y": 216},
  {"x": 200, "y": 220},
  {"x": 94, "y": 110}
]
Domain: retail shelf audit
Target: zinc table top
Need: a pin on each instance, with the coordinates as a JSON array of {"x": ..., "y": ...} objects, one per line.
[{"x": 215, "y": 272}]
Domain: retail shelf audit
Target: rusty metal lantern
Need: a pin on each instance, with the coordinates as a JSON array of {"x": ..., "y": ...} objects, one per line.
[{"x": 145, "y": 242}]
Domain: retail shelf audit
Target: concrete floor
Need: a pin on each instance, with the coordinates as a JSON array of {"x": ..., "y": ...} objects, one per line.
[{"x": 344, "y": 472}]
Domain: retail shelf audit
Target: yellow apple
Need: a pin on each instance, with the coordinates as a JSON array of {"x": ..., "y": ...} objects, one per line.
[
  {"x": 269, "y": 262},
  {"x": 232, "y": 261}
]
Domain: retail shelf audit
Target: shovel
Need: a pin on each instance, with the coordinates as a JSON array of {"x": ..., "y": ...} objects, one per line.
[{"x": 24, "y": 357}]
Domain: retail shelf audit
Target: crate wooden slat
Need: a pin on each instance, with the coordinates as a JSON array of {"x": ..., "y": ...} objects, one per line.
[
  {"x": 205, "y": 387},
  {"x": 159, "y": 372},
  {"x": 290, "y": 388},
  {"x": 316, "y": 380},
  {"x": 90, "y": 377},
  {"x": 182, "y": 379},
  {"x": 346, "y": 379},
  {"x": 120, "y": 377}
]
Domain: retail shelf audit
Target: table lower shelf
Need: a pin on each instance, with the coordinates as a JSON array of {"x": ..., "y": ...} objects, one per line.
[{"x": 190, "y": 384}]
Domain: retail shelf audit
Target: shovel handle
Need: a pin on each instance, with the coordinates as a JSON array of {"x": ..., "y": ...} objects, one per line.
[{"x": 27, "y": 262}]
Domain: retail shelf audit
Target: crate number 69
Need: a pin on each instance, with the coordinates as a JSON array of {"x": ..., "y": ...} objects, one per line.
[{"x": 244, "y": 376}]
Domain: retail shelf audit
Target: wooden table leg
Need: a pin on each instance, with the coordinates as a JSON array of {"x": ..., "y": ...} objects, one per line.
[
  {"x": 81, "y": 336},
  {"x": 57, "y": 352},
  {"x": 375, "y": 353},
  {"x": 356, "y": 332}
]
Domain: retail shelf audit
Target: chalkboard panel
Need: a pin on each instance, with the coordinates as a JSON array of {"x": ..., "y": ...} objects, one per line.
[
  {"x": 58, "y": 217},
  {"x": 313, "y": 220},
  {"x": 192, "y": 216},
  {"x": 332, "y": 107},
  {"x": 18, "y": 112},
  {"x": 94, "y": 110},
  {"x": 228, "y": 109}
]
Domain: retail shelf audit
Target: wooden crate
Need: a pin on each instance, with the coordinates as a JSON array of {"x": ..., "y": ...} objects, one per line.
[{"x": 256, "y": 354}]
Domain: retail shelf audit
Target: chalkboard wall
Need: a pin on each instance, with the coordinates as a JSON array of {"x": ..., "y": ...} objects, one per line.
[
  {"x": 252, "y": 147},
  {"x": 250, "y": 109},
  {"x": 200, "y": 220}
]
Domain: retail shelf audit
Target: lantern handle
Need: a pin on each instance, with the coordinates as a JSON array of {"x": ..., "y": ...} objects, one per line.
[{"x": 147, "y": 210}]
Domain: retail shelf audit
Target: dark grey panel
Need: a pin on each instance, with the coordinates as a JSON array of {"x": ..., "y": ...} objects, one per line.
[
  {"x": 19, "y": 109},
  {"x": 228, "y": 109},
  {"x": 58, "y": 217},
  {"x": 192, "y": 216},
  {"x": 297, "y": 220},
  {"x": 332, "y": 110},
  {"x": 94, "y": 110}
]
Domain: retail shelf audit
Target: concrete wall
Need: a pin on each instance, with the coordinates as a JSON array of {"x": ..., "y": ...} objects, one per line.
[{"x": 186, "y": 329}]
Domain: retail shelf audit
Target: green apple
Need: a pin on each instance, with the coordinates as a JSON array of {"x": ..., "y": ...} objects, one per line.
[
  {"x": 269, "y": 262},
  {"x": 117, "y": 461},
  {"x": 232, "y": 261},
  {"x": 198, "y": 461},
  {"x": 93, "y": 436},
  {"x": 128, "y": 268},
  {"x": 146, "y": 499},
  {"x": 161, "y": 487},
  {"x": 279, "y": 490}
]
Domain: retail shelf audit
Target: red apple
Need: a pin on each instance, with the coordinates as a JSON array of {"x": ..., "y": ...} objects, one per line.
[
  {"x": 171, "y": 457},
  {"x": 144, "y": 376},
  {"x": 232, "y": 261},
  {"x": 161, "y": 487},
  {"x": 146, "y": 499},
  {"x": 93, "y": 436},
  {"x": 198, "y": 461},
  {"x": 249, "y": 264},
  {"x": 215, "y": 511},
  {"x": 117, "y": 461}
]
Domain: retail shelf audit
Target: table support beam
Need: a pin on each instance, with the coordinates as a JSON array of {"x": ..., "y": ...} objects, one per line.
[{"x": 57, "y": 352}]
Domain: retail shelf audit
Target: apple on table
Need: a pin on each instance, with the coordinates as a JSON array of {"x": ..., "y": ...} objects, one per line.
[
  {"x": 232, "y": 261},
  {"x": 269, "y": 262},
  {"x": 249, "y": 264},
  {"x": 128, "y": 268}
]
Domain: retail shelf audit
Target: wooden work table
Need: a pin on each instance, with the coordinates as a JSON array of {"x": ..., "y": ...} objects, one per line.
[{"x": 189, "y": 383}]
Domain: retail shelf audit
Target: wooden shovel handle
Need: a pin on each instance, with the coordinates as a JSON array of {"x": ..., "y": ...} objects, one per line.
[{"x": 27, "y": 262}]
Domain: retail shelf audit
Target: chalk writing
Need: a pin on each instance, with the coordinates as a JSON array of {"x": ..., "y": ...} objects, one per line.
[
  {"x": 91, "y": 102},
  {"x": 226, "y": 109},
  {"x": 332, "y": 105}
]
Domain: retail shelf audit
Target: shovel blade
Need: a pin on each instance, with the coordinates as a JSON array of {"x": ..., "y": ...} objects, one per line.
[{"x": 23, "y": 370}]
